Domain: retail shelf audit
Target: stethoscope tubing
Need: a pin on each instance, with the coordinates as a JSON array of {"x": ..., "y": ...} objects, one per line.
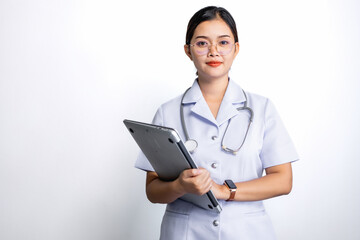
[
  {"x": 192, "y": 144},
  {"x": 182, "y": 115}
]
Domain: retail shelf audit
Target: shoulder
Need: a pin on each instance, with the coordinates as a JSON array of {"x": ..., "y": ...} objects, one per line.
[
  {"x": 171, "y": 104},
  {"x": 263, "y": 107},
  {"x": 167, "y": 111},
  {"x": 256, "y": 100}
]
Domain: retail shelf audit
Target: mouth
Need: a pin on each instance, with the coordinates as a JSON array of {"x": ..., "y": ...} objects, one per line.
[{"x": 214, "y": 63}]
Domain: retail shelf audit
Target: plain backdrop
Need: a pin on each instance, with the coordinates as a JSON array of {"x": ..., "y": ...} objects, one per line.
[{"x": 71, "y": 71}]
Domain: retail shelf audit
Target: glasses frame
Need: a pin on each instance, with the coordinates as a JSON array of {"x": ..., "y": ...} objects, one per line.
[{"x": 216, "y": 47}]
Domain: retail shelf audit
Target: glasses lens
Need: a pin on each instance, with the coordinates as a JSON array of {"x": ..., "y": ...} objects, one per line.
[
  {"x": 224, "y": 47},
  {"x": 202, "y": 47}
]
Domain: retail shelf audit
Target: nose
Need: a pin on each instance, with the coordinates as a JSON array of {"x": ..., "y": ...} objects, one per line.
[{"x": 213, "y": 50}]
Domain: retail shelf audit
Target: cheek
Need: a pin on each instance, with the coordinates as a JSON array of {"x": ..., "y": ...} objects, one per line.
[
  {"x": 229, "y": 60},
  {"x": 197, "y": 63},
  {"x": 197, "y": 59}
]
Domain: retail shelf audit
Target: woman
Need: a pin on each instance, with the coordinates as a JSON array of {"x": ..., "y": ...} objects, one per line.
[{"x": 211, "y": 114}]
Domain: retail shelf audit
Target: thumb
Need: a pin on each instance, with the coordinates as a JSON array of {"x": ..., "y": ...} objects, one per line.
[{"x": 192, "y": 172}]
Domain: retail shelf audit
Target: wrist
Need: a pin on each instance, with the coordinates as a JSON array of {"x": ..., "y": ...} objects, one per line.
[
  {"x": 178, "y": 187},
  {"x": 225, "y": 193},
  {"x": 230, "y": 185}
]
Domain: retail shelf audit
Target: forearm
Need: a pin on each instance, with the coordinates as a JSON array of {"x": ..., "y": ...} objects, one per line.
[
  {"x": 195, "y": 181},
  {"x": 266, "y": 187},
  {"x": 159, "y": 191},
  {"x": 278, "y": 181}
]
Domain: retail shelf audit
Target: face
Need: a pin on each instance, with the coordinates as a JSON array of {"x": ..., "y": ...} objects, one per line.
[{"x": 212, "y": 49}]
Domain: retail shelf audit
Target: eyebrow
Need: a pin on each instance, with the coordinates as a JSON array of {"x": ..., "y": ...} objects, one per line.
[{"x": 221, "y": 36}]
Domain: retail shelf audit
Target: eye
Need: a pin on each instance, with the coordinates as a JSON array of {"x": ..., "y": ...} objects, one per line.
[
  {"x": 201, "y": 44},
  {"x": 224, "y": 43}
]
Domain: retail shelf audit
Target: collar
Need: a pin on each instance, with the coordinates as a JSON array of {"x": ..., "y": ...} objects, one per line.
[
  {"x": 233, "y": 96},
  {"x": 234, "y": 93},
  {"x": 194, "y": 94}
]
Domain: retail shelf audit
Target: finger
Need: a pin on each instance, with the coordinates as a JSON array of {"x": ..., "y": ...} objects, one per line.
[
  {"x": 204, "y": 177},
  {"x": 208, "y": 183},
  {"x": 205, "y": 183},
  {"x": 193, "y": 172},
  {"x": 187, "y": 173},
  {"x": 209, "y": 188},
  {"x": 206, "y": 188}
]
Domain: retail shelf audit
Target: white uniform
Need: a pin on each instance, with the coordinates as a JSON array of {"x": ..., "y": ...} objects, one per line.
[{"x": 267, "y": 144}]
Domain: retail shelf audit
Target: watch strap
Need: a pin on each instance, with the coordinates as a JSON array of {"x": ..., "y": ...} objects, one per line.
[{"x": 232, "y": 188}]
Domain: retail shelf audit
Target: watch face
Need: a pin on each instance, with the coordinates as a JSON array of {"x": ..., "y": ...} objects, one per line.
[{"x": 230, "y": 184}]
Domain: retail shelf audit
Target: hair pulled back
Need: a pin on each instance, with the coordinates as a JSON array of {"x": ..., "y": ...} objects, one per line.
[{"x": 210, "y": 13}]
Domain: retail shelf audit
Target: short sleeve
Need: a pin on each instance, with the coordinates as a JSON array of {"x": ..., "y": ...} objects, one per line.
[
  {"x": 142, "y": 162},
  {"x": 278, "y": 147}
]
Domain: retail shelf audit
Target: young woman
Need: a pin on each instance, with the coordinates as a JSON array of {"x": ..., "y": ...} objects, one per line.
[{"x": 229, "y": 147}]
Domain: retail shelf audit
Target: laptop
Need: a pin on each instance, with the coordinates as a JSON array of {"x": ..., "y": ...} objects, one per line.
[{"x": 168, "y": 156}]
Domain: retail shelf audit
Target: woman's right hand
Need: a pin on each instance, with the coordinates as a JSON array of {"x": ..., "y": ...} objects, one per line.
[{"x": 196, "y": 181}]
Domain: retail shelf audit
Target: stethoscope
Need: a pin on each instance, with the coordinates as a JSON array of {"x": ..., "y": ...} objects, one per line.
[{"x": 192, "y": 144}]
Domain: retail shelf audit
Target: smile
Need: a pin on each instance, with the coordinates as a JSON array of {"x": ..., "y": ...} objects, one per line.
[{"x": 214, "y": 63}]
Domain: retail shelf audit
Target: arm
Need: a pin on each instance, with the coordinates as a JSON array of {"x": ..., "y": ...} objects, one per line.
[
  {"x": 196, "y": 181},
  {"x": 276, "y": 182}
]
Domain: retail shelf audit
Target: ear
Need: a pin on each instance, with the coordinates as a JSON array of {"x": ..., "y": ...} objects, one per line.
[
  {"x": 237, "y": 49},
  {"x": 187, "y": 51}
]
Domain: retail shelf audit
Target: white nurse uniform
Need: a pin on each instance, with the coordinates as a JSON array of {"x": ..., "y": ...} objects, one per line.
[{"x": 267, "y": 144}]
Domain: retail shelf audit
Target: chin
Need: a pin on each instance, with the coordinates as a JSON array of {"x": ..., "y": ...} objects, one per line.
[{"x": 212, "y": 74}]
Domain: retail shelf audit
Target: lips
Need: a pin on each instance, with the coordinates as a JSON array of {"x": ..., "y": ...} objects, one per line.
[{"x": 214, "y": 63}]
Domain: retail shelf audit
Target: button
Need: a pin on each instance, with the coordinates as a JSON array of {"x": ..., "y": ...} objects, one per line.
[
  {"x": 214, "y": 137},
  {"x": 214, "y": 165},
  {"x": 216, "y": 223}
]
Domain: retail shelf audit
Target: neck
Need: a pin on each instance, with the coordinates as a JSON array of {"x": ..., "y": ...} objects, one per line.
[{"x": 213, "y": 89}]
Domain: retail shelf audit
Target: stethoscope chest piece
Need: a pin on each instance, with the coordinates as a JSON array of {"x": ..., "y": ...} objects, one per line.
[{"x": 191, "y": 145}]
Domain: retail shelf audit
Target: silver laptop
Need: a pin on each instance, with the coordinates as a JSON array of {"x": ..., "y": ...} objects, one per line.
[{"x": 168, "y": 156}]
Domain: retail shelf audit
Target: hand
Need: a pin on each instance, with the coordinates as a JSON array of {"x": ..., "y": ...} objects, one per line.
[
  {"x": 220, "y": 191},
  {"x": 196, "y": 181}
]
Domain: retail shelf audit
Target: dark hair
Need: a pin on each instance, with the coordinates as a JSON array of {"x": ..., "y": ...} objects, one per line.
[{"x": 210, "y": 13}]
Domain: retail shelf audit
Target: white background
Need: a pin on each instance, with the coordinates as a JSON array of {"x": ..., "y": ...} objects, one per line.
[{"x": 71, "y": 71}]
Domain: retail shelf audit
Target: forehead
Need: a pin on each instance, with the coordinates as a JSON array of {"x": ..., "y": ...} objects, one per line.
[{"x": 213, "y": 29}]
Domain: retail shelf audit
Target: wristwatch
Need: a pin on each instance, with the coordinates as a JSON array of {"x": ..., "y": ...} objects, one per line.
[{"x": 232, "y": 187}]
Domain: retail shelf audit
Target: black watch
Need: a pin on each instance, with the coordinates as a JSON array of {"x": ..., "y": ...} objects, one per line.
[{"x": 232, "y": 187}]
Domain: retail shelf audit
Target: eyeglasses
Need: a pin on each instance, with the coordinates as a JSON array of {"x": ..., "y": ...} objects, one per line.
[{"x": 202, "y": 47}]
